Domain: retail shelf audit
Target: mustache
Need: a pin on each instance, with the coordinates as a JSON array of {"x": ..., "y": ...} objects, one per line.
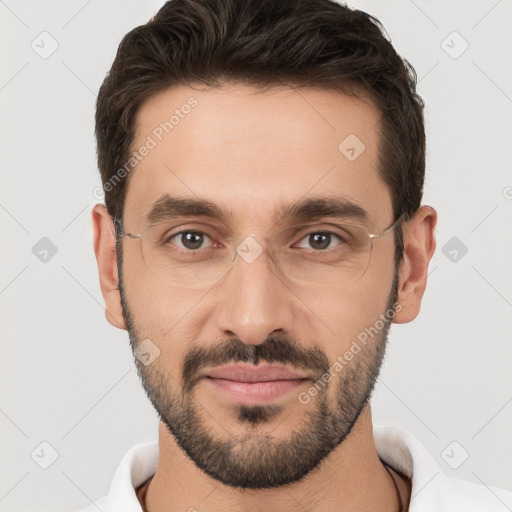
[{"x": 273, "y": 350}]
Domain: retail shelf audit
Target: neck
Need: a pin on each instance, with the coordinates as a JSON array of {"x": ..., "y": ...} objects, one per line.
[{"x": 351, "y": 478}]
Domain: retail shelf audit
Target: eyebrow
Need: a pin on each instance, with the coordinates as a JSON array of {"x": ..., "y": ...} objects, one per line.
[{"x": 168, "y": 207}]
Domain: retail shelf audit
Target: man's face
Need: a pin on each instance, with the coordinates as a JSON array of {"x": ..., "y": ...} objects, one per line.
[{"x": 250, "y": 153}]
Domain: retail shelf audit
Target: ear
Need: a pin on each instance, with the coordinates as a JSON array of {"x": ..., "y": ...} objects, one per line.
[
  {"x": 419, "y": 246},
  {"x": 105, "y": 250}
]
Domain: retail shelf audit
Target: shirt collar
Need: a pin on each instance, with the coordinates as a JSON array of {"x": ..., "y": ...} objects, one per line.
[{"x": 407, "y": 455}]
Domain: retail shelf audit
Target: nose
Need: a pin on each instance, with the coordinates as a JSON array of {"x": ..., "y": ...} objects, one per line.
[{"x": 253, "y": 299}]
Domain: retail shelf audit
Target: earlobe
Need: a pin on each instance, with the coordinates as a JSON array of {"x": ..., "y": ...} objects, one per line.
[
  {"x": 104, "y": 241},
  {"x": 419, "y": 247}
]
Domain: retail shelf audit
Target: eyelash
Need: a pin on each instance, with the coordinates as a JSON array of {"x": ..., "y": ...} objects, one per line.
[{"x": 199, "y": 251}]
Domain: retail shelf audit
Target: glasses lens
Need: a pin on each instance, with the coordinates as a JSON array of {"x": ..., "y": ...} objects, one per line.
[
  {"x": 185, "y": 258},
  {"x": 335, "y": 256},
  {"x": 191, "y": 259}
]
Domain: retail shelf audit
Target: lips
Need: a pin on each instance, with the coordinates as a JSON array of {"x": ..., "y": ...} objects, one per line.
[
  {"x": 252, "y": 385},
  {"x": 250, "y": 373}
]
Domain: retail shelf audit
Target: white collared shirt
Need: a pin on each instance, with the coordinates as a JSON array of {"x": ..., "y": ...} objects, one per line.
[{"x": 432, "y": 490}]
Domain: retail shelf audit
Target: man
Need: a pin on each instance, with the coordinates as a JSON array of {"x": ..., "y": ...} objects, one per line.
[{"x": 263, "y": 166}]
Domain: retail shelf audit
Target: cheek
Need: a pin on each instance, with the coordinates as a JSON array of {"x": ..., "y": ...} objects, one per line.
[
  {"x": 160, "y": 311},
  {"x": 340, "y": 314},
  {"x": 158, "y": 307},
  {"x": 160, "y": 315}
]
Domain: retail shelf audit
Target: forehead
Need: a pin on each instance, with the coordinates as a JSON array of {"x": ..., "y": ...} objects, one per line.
[{"x": 250, "y": 151}]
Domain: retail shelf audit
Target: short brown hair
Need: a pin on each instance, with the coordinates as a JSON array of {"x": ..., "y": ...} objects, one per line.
[{"x": 298, "y": 43}]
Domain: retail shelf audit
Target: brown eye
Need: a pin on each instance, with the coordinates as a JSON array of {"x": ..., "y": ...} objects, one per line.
[
  {"x": 320, "y": 240},
  {"x": 189, "y": 240}
]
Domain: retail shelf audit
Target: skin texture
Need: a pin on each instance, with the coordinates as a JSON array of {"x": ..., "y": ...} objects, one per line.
[{"x": 252, "y": 151}]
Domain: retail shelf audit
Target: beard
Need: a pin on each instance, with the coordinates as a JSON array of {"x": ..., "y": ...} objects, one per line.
[{"x": 254, "y": 458}]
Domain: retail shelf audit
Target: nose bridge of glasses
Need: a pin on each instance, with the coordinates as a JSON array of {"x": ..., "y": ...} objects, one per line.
[{"x": 252, "y": 247}]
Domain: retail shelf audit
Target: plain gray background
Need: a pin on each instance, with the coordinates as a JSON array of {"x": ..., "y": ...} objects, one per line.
[{"x": 67, "y": 376}]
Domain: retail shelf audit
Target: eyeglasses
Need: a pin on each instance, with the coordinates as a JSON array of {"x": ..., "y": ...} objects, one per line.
[{"x": 323, "y": 254}]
